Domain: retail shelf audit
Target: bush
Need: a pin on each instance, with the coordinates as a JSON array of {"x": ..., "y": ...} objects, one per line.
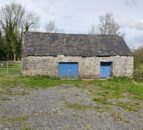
[
  {"x": 138, "y": 62},
  {"x": 138, "y": 72},
  {"x": 138, "y": 76}
]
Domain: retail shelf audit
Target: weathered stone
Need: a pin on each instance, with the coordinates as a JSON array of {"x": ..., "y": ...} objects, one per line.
[
  {"x": 89, "y": 67},
  {"x": 42, "y": 53}
]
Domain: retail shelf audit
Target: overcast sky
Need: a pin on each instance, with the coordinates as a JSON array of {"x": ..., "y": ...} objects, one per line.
[{"x": 77, "y": 16}]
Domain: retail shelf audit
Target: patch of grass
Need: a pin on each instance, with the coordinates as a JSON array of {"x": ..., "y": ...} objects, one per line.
[
  {"x": 78, "y": 106},
  {"x": 138, "y": 72},
  {"x": 11, "y": 69},
  {"x": 26, "y": 126},
  {"x": 38, "y": 81},
  {"x": 103, "y": 89},
  {"x": 22, "y": 119},
  {"x": 105, "y": 108},
  {"x": 136, "y": 89},
  {"x": 44, "y": 82},
  {"x": 116, "y": 87},
  {"x": 141, "y": 67},
  {"x": 81, "y": 107},
  {"x": 5, "y": 99},
  {"x": 26, "y": 129},
  {"x": 106, "y": 89},
  {"x": 16, "y": 119},
  {"x": 127, "y": 106},
  {"x": 102, "y": 101}
]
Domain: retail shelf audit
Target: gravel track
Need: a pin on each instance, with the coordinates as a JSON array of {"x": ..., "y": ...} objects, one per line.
[{"x": 45, "y": 109}]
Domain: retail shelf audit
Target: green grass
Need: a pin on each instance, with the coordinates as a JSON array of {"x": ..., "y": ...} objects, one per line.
[
  {"x": 117, "y": 87},
  {"x": 78, "y": 106},
  {"x": 106, "y": 89},
  {"x": 141, "y": 68},
  {"x": 26, "y": 129},
  {"x": 11, "y": 69},
  {"x": 100, "y": 90},
  {"x": 16, "y": 119},
  {"x": 21, "y": 119},
  {"x": 127, "y": 106},
  {"x": 102, "y": 101},
  {"x": 44, "y": 82},
  {"x": 138, "y": 72},
  {"x": 7, "y": 82}
]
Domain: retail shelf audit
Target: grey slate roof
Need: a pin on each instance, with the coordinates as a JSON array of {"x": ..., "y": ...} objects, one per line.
[{"x": 53, "y": 44}]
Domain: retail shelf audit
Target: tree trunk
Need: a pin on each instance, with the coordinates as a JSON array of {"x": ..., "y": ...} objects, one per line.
[
  {"x": 14, "y": 57},
  {"x": 13, "y": 50}
]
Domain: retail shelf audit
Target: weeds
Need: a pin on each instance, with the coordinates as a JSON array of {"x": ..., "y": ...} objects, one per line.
[
  {"x": 127, "y": 106},
  {"x": 78, "y": 106},
  {"x": 102, "y": 101}
]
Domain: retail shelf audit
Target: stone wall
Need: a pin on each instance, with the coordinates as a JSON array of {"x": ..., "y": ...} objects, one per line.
[{"x": 89, "y": 67}]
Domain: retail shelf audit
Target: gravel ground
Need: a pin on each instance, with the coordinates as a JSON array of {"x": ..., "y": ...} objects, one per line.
[{"x": 47, "y": 109}]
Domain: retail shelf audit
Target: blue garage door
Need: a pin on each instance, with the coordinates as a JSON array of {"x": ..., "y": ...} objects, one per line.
[
  {"x": 105, "y": 71},
  {"x": 68, "y": 70}
]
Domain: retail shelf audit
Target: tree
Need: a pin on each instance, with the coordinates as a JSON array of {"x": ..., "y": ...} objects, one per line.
[
  {"x": 92, "y": 30},
  {"x": 14, "y": 20},
  {"x": 51, "y": 27},
  {"x": 138, "y": 63},
  {"x": 107, "y": 25},
  {"x": 138, "y": 54},
  {"x": 3, "y": 48},
  {"x": 31, "y": 21}
]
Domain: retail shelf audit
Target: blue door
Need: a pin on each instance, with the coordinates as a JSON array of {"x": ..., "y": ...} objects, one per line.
[
  {"x": 105, "y": 71},
  {"x": 68, "y": 70}
]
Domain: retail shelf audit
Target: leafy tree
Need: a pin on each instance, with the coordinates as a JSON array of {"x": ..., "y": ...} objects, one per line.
[
  {"x": 138, "y": 63},
  {"x": 138, "y": 54},
  {"x": 14, "y": 20}
]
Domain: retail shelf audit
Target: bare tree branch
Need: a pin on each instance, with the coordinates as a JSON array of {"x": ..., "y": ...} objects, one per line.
[
  {"x": 107, "y": 25},
  {"x": 51, "y": 26}
]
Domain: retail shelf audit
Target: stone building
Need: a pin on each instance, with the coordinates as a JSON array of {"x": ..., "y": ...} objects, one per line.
[{"x": 76, "y": 56}]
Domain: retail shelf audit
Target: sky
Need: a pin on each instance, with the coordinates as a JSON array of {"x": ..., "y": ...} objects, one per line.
[{"x": 77, "y": 16}]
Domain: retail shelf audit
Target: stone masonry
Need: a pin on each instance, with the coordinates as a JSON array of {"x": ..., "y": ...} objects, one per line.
[{"x": 89, "y": 67}]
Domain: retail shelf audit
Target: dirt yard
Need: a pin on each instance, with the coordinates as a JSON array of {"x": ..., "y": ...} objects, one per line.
[{"x": 65, "y": 107}]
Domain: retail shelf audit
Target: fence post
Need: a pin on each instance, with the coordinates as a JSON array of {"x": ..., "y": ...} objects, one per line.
[{"x": 7, "y": 67}]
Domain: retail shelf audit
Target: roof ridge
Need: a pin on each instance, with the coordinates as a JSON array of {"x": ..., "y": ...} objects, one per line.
[{"x": 104, "y": 35}]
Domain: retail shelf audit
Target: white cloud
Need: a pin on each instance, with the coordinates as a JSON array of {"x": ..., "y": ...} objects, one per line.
[
  {"x": 136, "y": 24},
  {"x": 131, "y": 2},
  {"x": 139, "y": 25}
]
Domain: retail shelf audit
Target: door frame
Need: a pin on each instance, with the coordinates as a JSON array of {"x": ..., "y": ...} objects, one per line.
[
  {"x": 111, "y": 70},
  {"x": 69, "y": 63}
]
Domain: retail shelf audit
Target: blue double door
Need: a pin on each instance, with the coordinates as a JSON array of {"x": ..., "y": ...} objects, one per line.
[
  {"x": 105, "y": 69},
  {"x": 68, "y": 70}
]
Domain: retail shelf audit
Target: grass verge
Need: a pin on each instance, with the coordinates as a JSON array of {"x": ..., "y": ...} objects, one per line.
[
  {"x": 117, "y": 88},
  {"x": 101, "y": 89}
]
